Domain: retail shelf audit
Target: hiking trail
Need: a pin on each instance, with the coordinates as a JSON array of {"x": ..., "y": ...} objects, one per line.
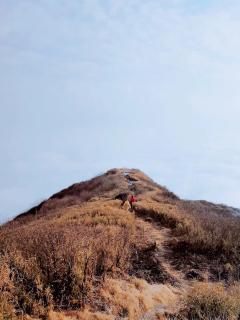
[{"x": 161, "y": 237}]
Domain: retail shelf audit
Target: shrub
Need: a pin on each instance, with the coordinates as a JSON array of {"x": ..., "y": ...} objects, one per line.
[
  {"x": 202, "y": 229},
  {"x": 61, "y": 261},
  {"x": 164, "y": 214},
  {"x": 213, "y": 301}
]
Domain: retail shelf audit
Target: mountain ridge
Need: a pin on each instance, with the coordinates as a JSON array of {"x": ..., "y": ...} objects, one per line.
[
  {"x": 82, "y": 191},
  {"x": 82, "y": 255}
]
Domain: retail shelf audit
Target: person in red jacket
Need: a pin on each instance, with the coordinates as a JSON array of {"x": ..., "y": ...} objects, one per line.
[{"x": 132, "y": 200}]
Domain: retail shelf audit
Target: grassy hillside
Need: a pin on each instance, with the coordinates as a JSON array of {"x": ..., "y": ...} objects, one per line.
[{"x": 80, "y": 253}]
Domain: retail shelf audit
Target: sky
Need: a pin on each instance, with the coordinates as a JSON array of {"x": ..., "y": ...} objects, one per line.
[{"x": 88, "y": 85}]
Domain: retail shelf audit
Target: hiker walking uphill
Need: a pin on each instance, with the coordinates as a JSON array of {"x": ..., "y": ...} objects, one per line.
[
  {"x": 127, "y": 201},
  {"x": 132, "y": 200},
  {"x": 126, "y": 205}
]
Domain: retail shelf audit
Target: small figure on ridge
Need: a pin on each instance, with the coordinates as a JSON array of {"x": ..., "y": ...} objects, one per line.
[{"x": 132, "y": 200}]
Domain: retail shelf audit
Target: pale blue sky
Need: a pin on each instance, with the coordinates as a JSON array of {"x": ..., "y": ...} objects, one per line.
[{"x": 87, "y": 85}]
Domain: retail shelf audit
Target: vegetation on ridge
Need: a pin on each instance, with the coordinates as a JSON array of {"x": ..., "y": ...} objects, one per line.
[{"x": 69, "y": 252}]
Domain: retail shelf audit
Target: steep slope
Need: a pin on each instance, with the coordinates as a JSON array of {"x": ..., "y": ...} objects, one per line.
[
  {"x": 105, "y": 186},
  {"x": 80, "y": 248}
]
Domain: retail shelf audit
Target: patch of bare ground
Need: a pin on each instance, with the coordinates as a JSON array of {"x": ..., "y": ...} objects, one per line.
[{"x": 151, "y": 260}]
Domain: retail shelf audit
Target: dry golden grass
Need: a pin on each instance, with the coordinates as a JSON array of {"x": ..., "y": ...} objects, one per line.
[
  {"x": 73, "y": 252},
  {"x": 63, "y": 260},
  {"x": 79, "y": 315},
  {"x": 124, "y": 299},
  {"x": 200, "y": 230},
  {"x": 214, "y": 233},
  {"x": 167, "y": 214},
  {"x": 134, "y": 297},
  {"x": 212, "y": 301}
]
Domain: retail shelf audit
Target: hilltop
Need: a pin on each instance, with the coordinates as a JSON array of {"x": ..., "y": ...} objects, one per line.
[
  {"x": 102, "y": 187},
  {"x": 80, "y": 255}
]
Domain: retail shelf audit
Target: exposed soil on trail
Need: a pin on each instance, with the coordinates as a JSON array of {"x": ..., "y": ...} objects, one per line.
[
  {"x": 157, "y": 254},
  {"x": 152, "y": 260}
]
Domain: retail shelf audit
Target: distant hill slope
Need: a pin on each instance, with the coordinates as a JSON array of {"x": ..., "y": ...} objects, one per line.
[
  {"x": 81, "y": 249},
  {"x": 104, "y": 186},
  {"x": 116, "y": 181}
]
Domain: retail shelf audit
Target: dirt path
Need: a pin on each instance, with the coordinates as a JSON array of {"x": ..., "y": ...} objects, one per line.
[
  {"x": 159, "y": 235},
  {"x": 155, "y": 233}
]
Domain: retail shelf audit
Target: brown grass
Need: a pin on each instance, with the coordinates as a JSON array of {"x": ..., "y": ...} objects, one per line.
[
  {"x": 212, "y": 231},
  {"x": 61, "y": 262},
  {"x": 213, "y": 301},
  {"x": 102, "y": 186},
  {"x": 134, "y": 297},
  {"x": 74, "y": 251},
  {"x": 199, "y": 229},
  {"x": 80, "y": 315},
  {"x": 124, "y": 299},
  {"x": 166, "y": 214}
]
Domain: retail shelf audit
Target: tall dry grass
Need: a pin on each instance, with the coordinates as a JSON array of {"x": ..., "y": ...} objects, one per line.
[
  {"x": 199, "y": 229},
  {"x": 61, "y": 262},
  {"x": 207, "y": 301},
  {"x": 130, "y": 299},
  {"x": 212, "y": 231},
  {"x": 60, "y": 254}
]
